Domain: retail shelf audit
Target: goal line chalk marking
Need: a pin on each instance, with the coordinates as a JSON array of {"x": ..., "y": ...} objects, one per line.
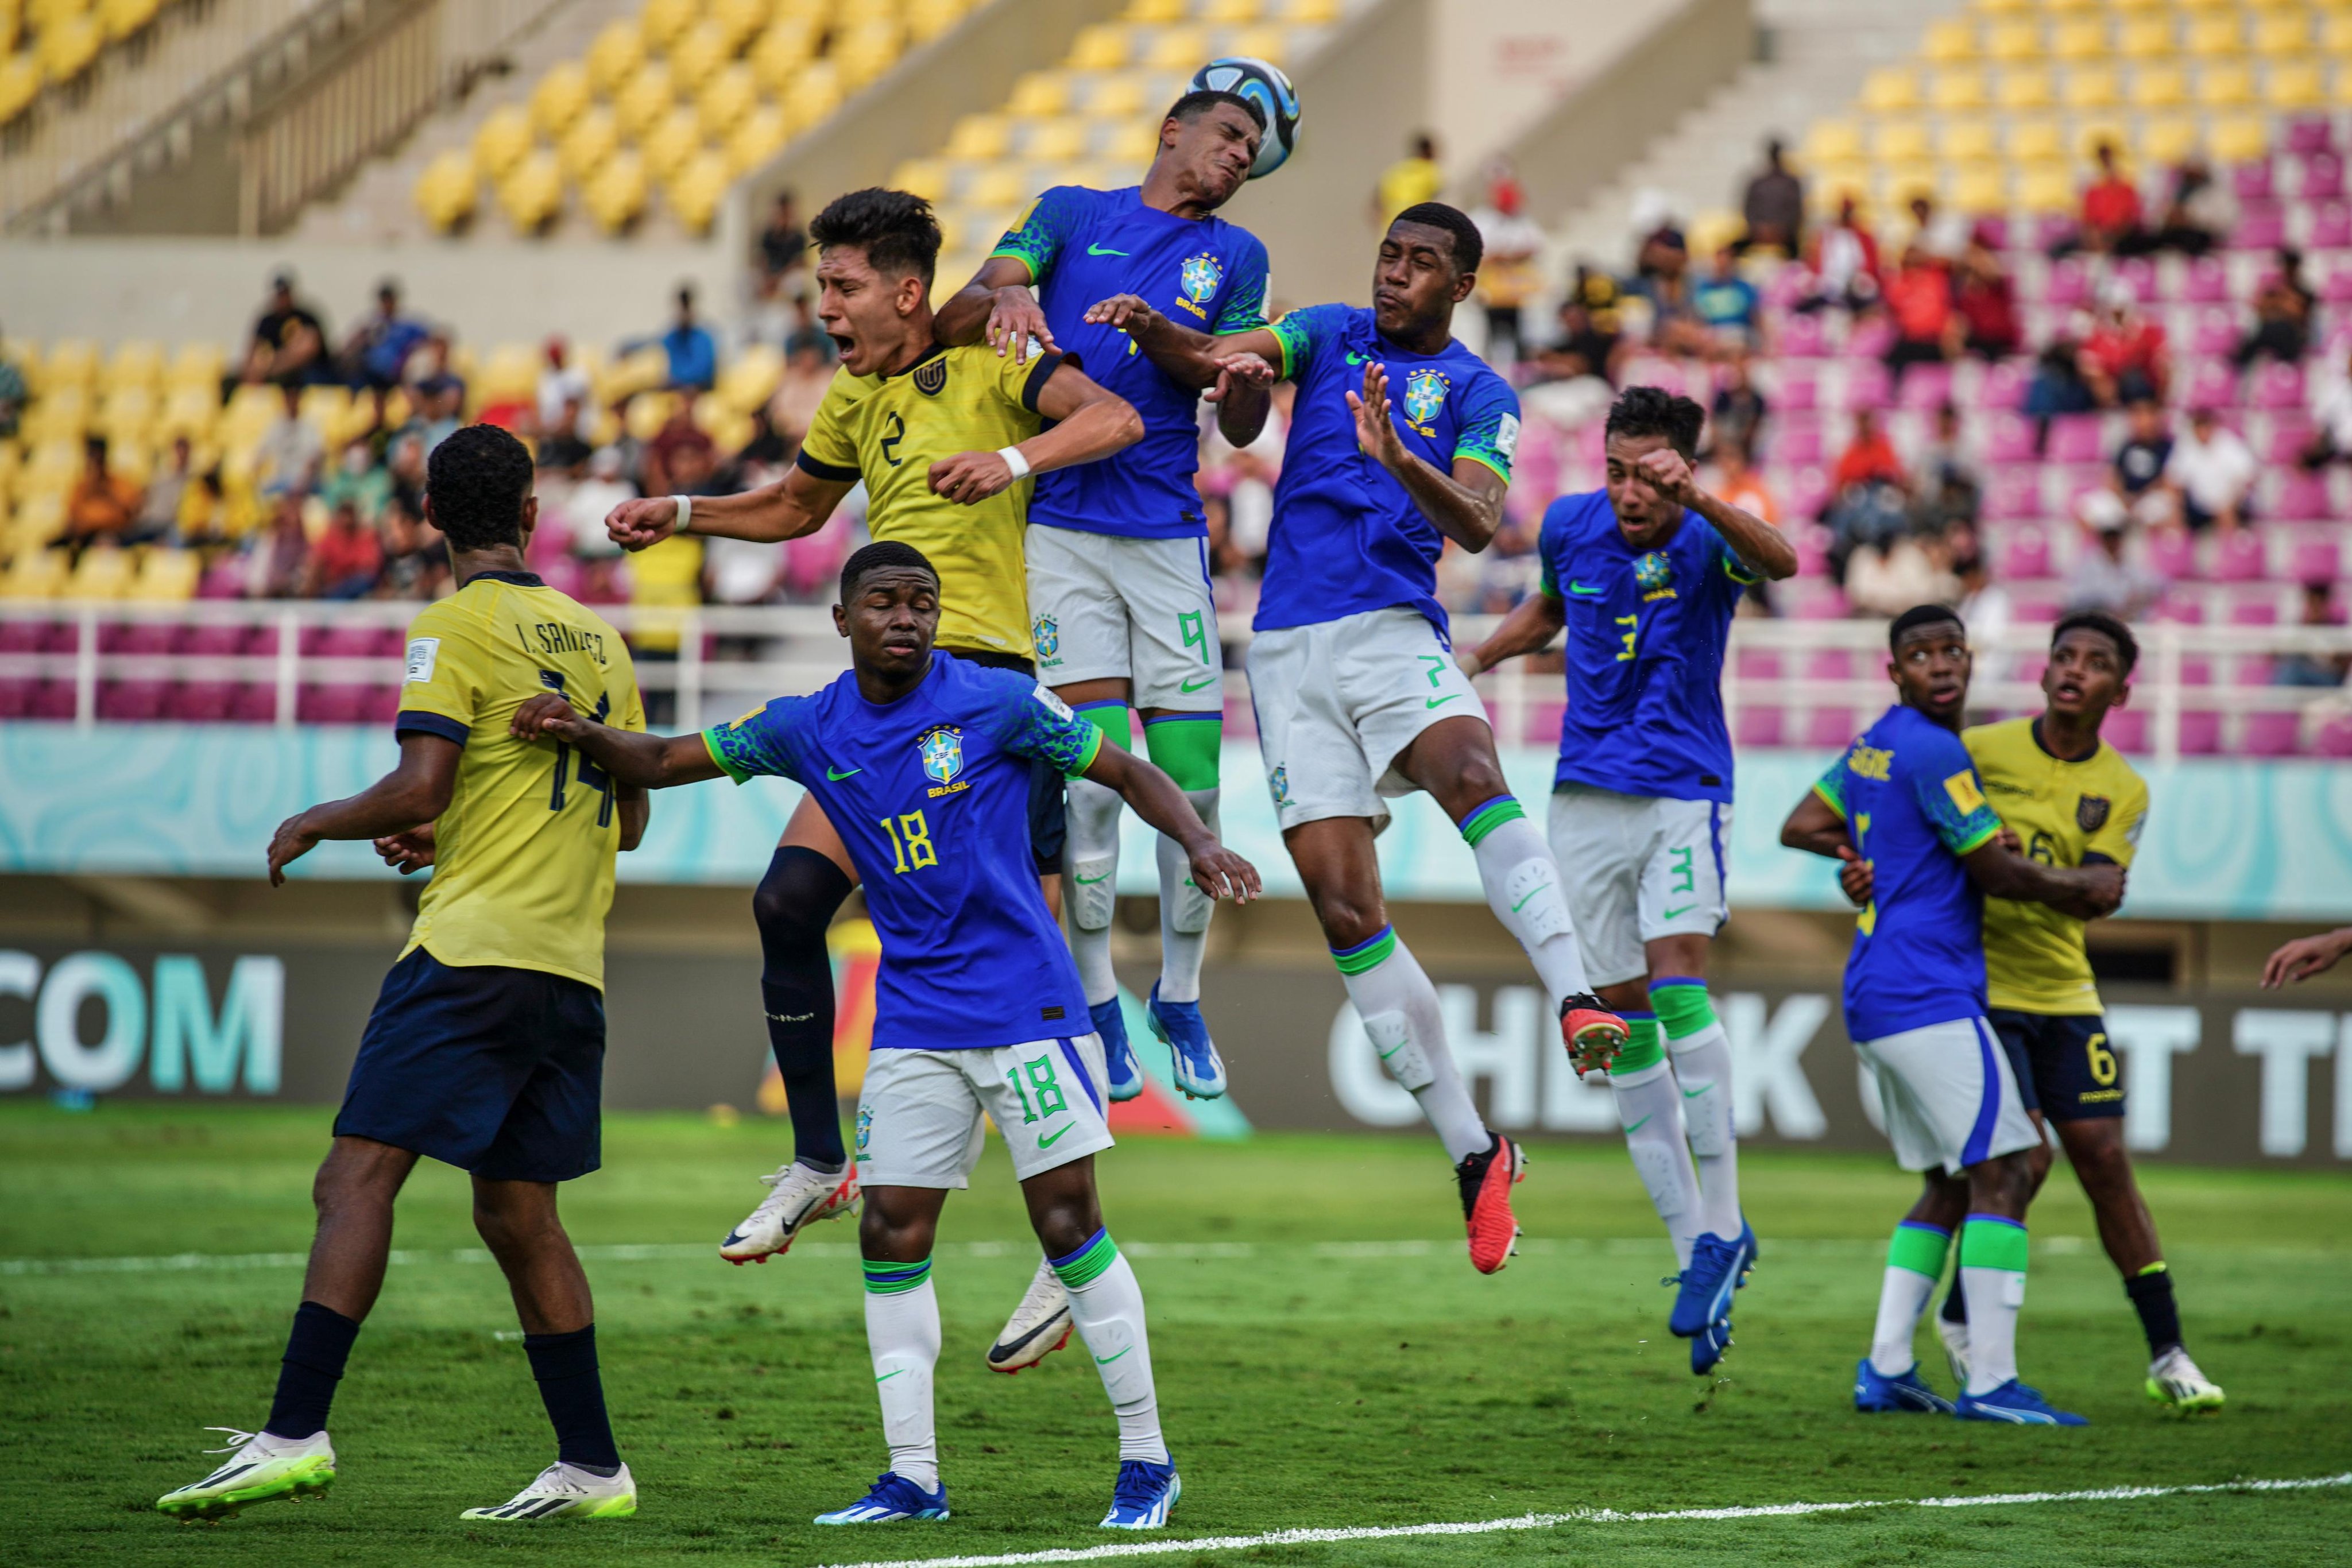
[{"x": 1528, "y": 1521}]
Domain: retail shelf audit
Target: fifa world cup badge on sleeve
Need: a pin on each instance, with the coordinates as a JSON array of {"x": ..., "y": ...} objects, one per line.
[{"x": 423, "y": 653}]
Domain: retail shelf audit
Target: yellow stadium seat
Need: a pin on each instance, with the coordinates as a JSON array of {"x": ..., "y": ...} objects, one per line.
[
  {"x": 445, "y": 189},
  {"x": 926, "y": 177},
  {"x": 1038, "y": 94},
  {"x": 639, "y": 372},
  {"x": 750, "y": 379},
  {"x": 661, "y": 21},
  {"x": 2299, "y": 84},
  {"x": 724, "y": 101},
  {"x": 104, "y": 572},
  {"x": 1156, "y": 12},
  {"x": 2045, "y": 188},
  {"x": 1232, "y": 13},
  {"x": 2091, "y": 87},
  {"x": 1055, "y": 141},
  {"x": 618, "y": 51},
  {"x": 2024, "y": 88},
  {"x": 532, "y": 191},
  {"x": 814, "y": 94},
  {"x": 1899, "y": 141},
  {"x": 697, "y": 56},
  {"x": 2228, "y": 84},
  {"x": 35, "y": 574},
  {"x": 123, "y": 17},
  {"x": 195, "y": 364},
  {"x": 2134, "y": 9},
  {"x": 559, "y": 98},
  {"x": 2065, "y": 8},
  {"x": 503, "y": 136},
  {"x": 644, "y": 100},
  {"x": 868, "y": 51},
  {"x": 2013, "y": 42},
  {"x": 1981, "y": 188},
  {"x": 20, "y": 84},
  {"x": 2158, "y": 86},
  {"x": 778, "y": 55},
  {"x": 1891, "y": 90},
  {"x": 737, "y": 20},
  {"x": 2036, "y": 142},
  {"x": 190, "y": 411},
  {"x": 614, "y": 195},
  {"x": 1119, "y": 97},
  {"x": 1957, "y": 89},
  {"x": 1102, "y": 47},
  {"x": 1950, "y": 41},
  {"x": 1831, "y": 142},
  {"x": 2100, "y": 130},
  {"x": 2335, "y": 36},
  {"x": 1966, "y": 142},
  {"x": 1271, "y": 45},
  {"x": 697, "y": 191},
  {"x": 1898, "y": 182},
  {"x": 999, "y": 185},
  {"x": 2239, "y": 138},
  {"x": 670, "y": 144},
  {"x": 69, "y": 47},
  {"x": 594, "y": 137},
  {"x": 2147, "y": 37},
  {"x": 509, "y": 374},
  {"x": 135, "y": 362},
  {"x": 979, "y": 138},
  {"x": 71, "y": 362},
  {"x": 128, "y": 414},
  {"x": 2081, "y": 39},
  {"x": 2219, "y": 33},
  {"x": 1132, "y": 145},
  {"x": 1177, "y": 50},
  {"x": 927, "y": 19},
  {"x": 757, "y": 137},
  {"x": 2168, "y": 140},
  {"x": 647, "y": 411},
  {"x": 167, "y": 576},
  {"x": 2283, "y": 33}
]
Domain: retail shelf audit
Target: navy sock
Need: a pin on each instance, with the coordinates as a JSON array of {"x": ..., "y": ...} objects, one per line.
[
  {"x": 2159, "y": 1315},
  {"x": 316, "y": 1349},
  {"x": 565, "y": 1366},
  {"x": 796, "y": 902},
  {"x": 1956, "y": 1303}
]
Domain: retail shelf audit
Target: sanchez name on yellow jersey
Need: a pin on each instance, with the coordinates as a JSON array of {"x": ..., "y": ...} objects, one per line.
[
  {"x": 522, "y": 869},
  {"x": 2061, "y": 812},
  {"x": 890, "y": 429}
]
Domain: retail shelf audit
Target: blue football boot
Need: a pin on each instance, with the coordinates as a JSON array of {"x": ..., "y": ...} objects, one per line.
[
  {"x": 1199, "y": 1074},
  {"x": 892, "y": 1497},
  {"x": 1717, "y": 1266},
  {"x": 2015, "y": 1403},
  {"x": 1125, "y": 1072},
  {"x": 1709, "y": 1345},
  {"x": 1875, "y": 1394},
  {"x": 1145, "y": 1493}
]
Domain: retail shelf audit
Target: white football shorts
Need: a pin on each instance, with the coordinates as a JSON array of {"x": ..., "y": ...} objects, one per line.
[
  {"x": 1637, "y": 867},
  {"x": 1950, "y": 1098},
  {"x": 1103, "y": 607},
  {"x": 1338, "y": 702},
  {"x": 919, "y": 1112}
]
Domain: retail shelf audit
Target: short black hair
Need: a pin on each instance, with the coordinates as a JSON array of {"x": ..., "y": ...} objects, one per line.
[
  {"x": 878, "y": 556},
  {"x": 1920, "y": 615},
  {"x": 2105, "y": 625},
  {"x": 1469, "y": 247},
  {"x": 1202, "y": 100},
  {"x": 895, "y": 228},
  {"x": 478, "y": 480},
  {"x": 1654, "y": 411}
]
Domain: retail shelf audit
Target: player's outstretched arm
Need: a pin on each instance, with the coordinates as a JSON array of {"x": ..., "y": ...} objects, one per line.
[
  {"x": 1762, "y": 548},
  {"x": 636, "y": 762},
  {"x": 995, "y": 308},
  {"x": 2085, "y": 891},
  {"x": 1093, "y": 423},
  {"x": 1817, "y": 828},
  {"x": 1216, "y": 870},
  {"x": 797, "y": 504},
  {"x": 1528, "y": 628},
  {"x": 412, "y": 794},
  {"x": 1466, "y": 506},
  {"x": 1243, "y": 395},
  {"x": 2305, "y": 957},
  {"x": 1190, "y": 357}
]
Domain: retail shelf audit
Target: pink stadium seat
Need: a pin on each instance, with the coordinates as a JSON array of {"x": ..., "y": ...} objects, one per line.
[
  {"x": 1830, "y": 729},
  {"x": 2009, "y": 438},
  {"x": 2179, "y": 608},
  {"x": 1784, "y": 288},
  {"x": 2200, "y": 733},
  {"x": 2336, "y": 286},
  {"x": 23, "y": 637},
  {"x": 1818, "y": 601},
  {"x": 1927, "y": 386},
  {"x": 16, "y": 698},
  {"x": 2069, "y": 284},
  {"x": 1804, "y": 338},
  {"x": 2050, "y": 228},
  {"x": 1870, "y": 338},
  {"x": 2014, "y": 493},
  {"x": 2137, "y": 273},
  {"x": 2028, "y": 554},
  {"x": 1797, "y": 390},
  {"x": 2290, "y": 433},
  {"x": 2331, "y": 226},
  {"x": 1761, "y": 726},
  {"x": 2196, "y": 670},
  {"x": 2075, "y": 438},
  {"x": 329, "y": 705},
  {"x": 2172, "y": 553},
  {"x": 2301, "y": 497},
  {"x": 2270, "y": 734},
  {"x": 2208, "y": 282},
  {"x": 131, "y": 700},
  {"x": 2031, "y": 607},
  {"x": 2126, "y": 730},
  {"x": 136, "y": 637},
  {"x": 2317, "y": 561},
  {"x": 1992, "y": 231},
  {"x": 1829, "y": 664},
  {"x": 2277, "y": 385},
  {"x": 2258, "y": 228},
  {"x": 2254, "y": 612},
  {"x": 255, "y": 702},
  {"x": 2212, "y": 384},
  {"x": 2240, "y": 559},
  {"x": 2002, "y": 386},
  {"x": 381, "y": 704},
  {"x": 2323, "y": 177},
  {"x": 1799, "y": 440},
  {"x": 342, "y": 641},
  {"x": 1868, "y": 385},
  {"x": 2213, "y": 333},
  {"x": 2310, "y": 133},
  {"x": 215, "y": 642},
  {"x": 1757, "y": 664},
  {"x": 1812, "y": 542},
  {"x": 1808, "y": 491},
  {"x": 2252, "y": 182},
  {"x": 200, "y": 701},
  {"x": 2334, "y": 737},
  {"x": 1543, "y": 724}
]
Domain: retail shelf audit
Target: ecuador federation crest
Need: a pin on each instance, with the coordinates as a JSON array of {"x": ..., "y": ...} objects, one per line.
[
  {"x": 931, "y": 376},
  {"x": 2091, "y": 812},
  {"x": 1201, "y": 276},
  {"x": 942, "y": 750},
  {"x": 1424, "y": 395}
]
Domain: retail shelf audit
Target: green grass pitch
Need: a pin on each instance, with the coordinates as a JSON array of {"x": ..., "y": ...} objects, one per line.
[{"x": 1325, "y": 1358}]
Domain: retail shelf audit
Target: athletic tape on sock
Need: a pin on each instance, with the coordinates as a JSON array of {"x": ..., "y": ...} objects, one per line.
[
  {"x": 1080, "y": 1269},
  {"x": 1186, "y": 747},
  {"x": 895, "y": 1278},
  {"x": 1641, "y": 1048},
  {"x": 1919, "y": 1248},
  {"x": 1392, "y": 1037},
  {"x": 1485, "y": 817},
  {"x": 1681, "y": 1004}
]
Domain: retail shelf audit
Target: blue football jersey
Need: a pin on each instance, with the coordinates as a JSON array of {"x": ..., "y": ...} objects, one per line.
[
  {"x": 1085, "y": 246},
  {"x": 1914, "y": 806},
  {"x": 1646, "y": 631},
  {"x": 1346, "y": 538},
  {"x": 930, "y": 793}
]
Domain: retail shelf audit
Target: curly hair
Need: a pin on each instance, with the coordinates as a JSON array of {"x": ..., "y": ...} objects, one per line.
[
  {"x": 1654, "y": 411},
  {"x": 478, "y": 480}
]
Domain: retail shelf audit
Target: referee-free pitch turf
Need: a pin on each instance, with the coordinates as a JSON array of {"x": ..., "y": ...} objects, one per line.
[{"x": 1326, "y": 1359}]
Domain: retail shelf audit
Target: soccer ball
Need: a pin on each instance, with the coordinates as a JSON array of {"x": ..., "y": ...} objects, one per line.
[{"x": 1265, "y": 86}]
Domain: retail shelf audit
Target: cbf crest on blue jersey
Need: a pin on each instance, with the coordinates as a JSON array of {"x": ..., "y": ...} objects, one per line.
[
  {"x": 1424, "y": 395},
  {"x": 1654, "y": 574},
  {"x": 1199, "y": 278},
  {"x": 942, "y": 749}
]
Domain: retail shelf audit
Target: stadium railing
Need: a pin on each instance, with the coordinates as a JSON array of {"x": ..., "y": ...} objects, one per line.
[{"x": 2199, "y": 690}]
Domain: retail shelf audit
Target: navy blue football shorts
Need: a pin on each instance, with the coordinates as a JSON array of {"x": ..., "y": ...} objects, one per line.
[
  {"x": 2065, "y": 1067},
  {"x": 496, "y": 1070}
]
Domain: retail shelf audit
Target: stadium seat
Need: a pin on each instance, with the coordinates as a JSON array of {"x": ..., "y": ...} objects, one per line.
[
  {"x": 695, "y": 191},
  {"x": 697, "y": 56},
  {"x": 533, "y": 192},
  {"x": 644, "y": 100},
  {"x": 2091, "y": 87},
  {"x": 1102, "y": 47},
  {"x": 615, "y": 196},
  {"x": 618, "y": 50},
  {"x": 779, "y": 53},
  {"x": 2228, "y": 84},
  {"x": 979, "y": 138},
  {"x": 594, "y": 137},
  {"x": 2214, "y": 35},
  {"x": 867, "y": 51},
  {"x": 814, "y": 94},
  {"x": 559, "y": 98},
  {"x": 1891, "y": 90},
  {"x": 2021, "y": 88},
  {"x": 757, "y": 137},
  {"x": 661, "y": 21},
  {"x": 667, "y": 146}
]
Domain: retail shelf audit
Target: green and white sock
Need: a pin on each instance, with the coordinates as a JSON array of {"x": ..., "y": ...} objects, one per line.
[
  {"x": 1398, "y": 1007},
  {"x": 1915, "y": 1261},
  {"x": 1106, "y": 1304},
  {"x": 1186, "y": 747},
  {"x": 1702, "y": 1055},
  {"x": 1090, "y": 860},
  {"x": 902, "y": 1335},
  {"x": 1993, "y": 1270},
  {"x": 1650, "y": 1109}
]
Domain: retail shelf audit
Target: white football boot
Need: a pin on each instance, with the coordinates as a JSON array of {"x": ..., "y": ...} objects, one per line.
[
  {"x": 566, "y": 1491},
  {"x": 262, "y": 1468},
  {"x": 1039, "y": 1326},
  {"x": 798, "y": 1196},
  {"x": 2173, "y": 1379}
]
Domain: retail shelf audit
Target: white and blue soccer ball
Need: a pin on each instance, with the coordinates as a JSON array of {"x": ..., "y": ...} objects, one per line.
[{"x": 1265, "y": 86}]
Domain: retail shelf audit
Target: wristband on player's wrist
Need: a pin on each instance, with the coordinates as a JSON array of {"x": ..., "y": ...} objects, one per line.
[
  {"x": 685, "y": 523},
  {"x": 1014, "y": 461}
]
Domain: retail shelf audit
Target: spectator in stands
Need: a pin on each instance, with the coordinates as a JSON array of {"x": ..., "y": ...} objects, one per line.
[
  {"x": 1739, "y": 482},
  {"x": 287, "y": 460},
  {"x": 762, "y": 459},
  {"x": 276, "y": 558},
  {"x": 375, "y": 355},
  {"x": 1509, "y": 568},
  {"x": 1409, "y": 181},
  {"x": 1986, "y": 303},
  {"x": 2199, "y": 213},
  {"x": 415, "y": 556},
  {"x": 583, "y": 511},
  {"x": 1728, "y": 306},
  {"x": 2111, "y": 209},
  {"x": 167, "y": 490},
  {"x": 2125, "y": 357},
  {"x": 808, "y": 372},
  {"x": 1949, "y": 476},
  {"x": 358, "y": 481},
  {"x": 102, "y": 505},
  {"x": 1507, "y": 279},
  {"x": 347, "y": 559},
  {"x": 1577, "y": 374},
  {"x": 434, "y": 362},
  {"x": 1774, "y": 204},
  {"x": 2104, "y": 580},
  {"x": 2135, "y": 490},
  {"x": 438, "y": 403},
  {"x": 783, "y": 248},
  {"x": 562, "y": 383},
  {"x": 1919, "y": 301},
  {"x": 2212, "y": 470},
  {"x": 2058, "y": 386},
  {"x": 2331, "y": 414},
  {"x": 1942, "y": 234},
  {"x": 562, "y": 447},
  {"x": 405, "y": 461},
  {"x": 288, "y": 344},
  {"x": 2283, "y": 310},
  {"x": 1870, "y": 458},
  {"x": 1869, "y": 504},
  {"x": 1984, "y": 604},
  {"x": 12, "y": 394},
  {"x": 693, "y": 355},
  {"x": 2319, "y": 609},
  {"x": 679, "y": 456},
  {"x": 1739, "y": 408},
  {"x": 1842, "y": 263},
  {"x": 805, "y": 334},
  {"x": 1904, "y": 569}
]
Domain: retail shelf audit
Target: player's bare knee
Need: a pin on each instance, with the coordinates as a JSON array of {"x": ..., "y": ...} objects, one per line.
[
  {"x": 888, "y": 1234},
  {"x": 2002, "y": 1184}
]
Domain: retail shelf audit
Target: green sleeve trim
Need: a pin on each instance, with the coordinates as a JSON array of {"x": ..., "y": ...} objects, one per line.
[
  {"x": 1739, "y": 573},
  {"x": 1502, "y": 470},
  {"x": 1023, "y": 256},
  {"x": 1831, "y": 801},
  {"x": 719, "y": 756},
  {"x": 1977, "y": 840},
  {"x": 1094, "y": 750}
]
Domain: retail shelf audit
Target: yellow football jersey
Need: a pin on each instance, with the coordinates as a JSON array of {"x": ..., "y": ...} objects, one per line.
[
  {"x": 2061, "y": 812},
  {"x": 523, "y": 873},
  {"x": 890, "y": 429}
]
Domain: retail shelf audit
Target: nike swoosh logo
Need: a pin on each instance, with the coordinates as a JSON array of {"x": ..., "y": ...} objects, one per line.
[
  {"x": 837, "y": 778},
  {"x": 1099, "y": 250},
  {"x": 1046, "y": 1140},
  {"x": 1106, "y": 1360},
  {"x": 1582, "y": 588},
  {"x": 1354, "y": 358},
  {"x": 1523, "y": 903},
  {"x": 886, "y": 1376},
  {"x": 1437, "y": 702},
  {"x": 1090, "y": 880},
  {"x": 1189, "y": 686},
  {"x": 1677, "y": 913},
  {"x": 732, "y": 1237},
  {"x": 1695, "y": 1093},
  {"x": 1640, "y": 1124}
]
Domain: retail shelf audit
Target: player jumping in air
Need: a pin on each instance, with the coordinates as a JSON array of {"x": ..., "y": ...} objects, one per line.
[
  {"x": 1906, "y": 797},
  {"x": 486, "y": 1049},
  {"x": 2069, "y": 799},
  {"x": 1359, "y": 699},
  {"x": 943, "y": 439},
  {"x": 1119, "y": 601},
  {"x": 1644, "y": 576},
  {"x": 922, "y": 760}
]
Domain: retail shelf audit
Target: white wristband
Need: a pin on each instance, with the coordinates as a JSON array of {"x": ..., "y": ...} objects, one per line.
[
  {"x": 685, "y": 504},
  {"x": 1014, "y": 461}
]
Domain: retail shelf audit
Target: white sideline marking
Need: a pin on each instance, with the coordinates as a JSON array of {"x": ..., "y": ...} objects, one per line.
[{"x": 1579, "y": 1516}]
